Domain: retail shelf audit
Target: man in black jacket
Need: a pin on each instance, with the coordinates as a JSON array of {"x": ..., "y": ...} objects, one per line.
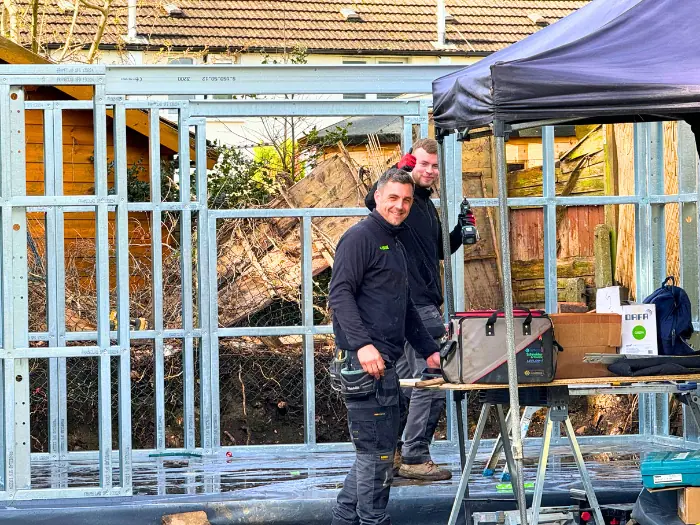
[
  {"x": 422, "y": 237},
  {"x": 372, "y": 317}
]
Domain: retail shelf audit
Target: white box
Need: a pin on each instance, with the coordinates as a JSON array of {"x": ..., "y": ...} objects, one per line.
[
  {"x": 607, "y": 300},
  {"x": 639, "y": 330}
]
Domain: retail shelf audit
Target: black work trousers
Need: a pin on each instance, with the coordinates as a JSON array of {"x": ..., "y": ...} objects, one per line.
[
  {"x": 373, "y": 421},
  {"x": 426, "y": 406}
]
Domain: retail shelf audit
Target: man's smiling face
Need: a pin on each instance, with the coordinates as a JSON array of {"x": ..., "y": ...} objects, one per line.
[
  {"x": 394, "y": 201},
  {"x": 426, "y": 171}
]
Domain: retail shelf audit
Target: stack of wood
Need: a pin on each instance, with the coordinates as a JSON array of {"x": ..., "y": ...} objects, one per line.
[{"x": 579, "y": 171}]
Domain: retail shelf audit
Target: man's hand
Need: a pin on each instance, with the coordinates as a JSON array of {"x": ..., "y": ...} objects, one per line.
[
  {"x": 434, "y": 360},
  {"x": 407, "y": 162},
  {"x": 466, "y": 219},
  {"x": 371, "y": 361}
]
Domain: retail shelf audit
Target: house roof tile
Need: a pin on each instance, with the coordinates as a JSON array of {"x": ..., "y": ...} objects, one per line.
[{"x": 390, "y": 26}]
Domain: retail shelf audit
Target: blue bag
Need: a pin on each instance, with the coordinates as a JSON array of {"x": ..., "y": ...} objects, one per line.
[{"x": 674, "y": 321}]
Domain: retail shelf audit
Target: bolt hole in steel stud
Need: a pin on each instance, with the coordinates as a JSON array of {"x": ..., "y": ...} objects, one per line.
[
  {"x": 13, "y": 96},
  {"x": 18, "y": 378},
  {"x": 16, "y": 227}
]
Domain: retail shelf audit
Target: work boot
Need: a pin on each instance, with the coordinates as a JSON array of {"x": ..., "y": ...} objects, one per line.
[
  {"x": 397, "y": 461},
  {"x": 427, "y": 471}
]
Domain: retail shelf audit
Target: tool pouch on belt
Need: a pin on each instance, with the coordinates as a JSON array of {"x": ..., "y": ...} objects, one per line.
[
  {"x": 335, "y": 367},
  {"x": 349, "y": 382},
  {"x": 356, "y": 383},
  {"x": 476, "y": 350}
]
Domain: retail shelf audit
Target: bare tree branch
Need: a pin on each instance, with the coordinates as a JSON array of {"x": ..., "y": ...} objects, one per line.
[
  {"x": 104, "y": 16},
  {"x": 35, "y": 26},
  {"x": 102, "y": 9},
  {"x": 69, "y": 36},
  {"x": 13, "y": 20}
]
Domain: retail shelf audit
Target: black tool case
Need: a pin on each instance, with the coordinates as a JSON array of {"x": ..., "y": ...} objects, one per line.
[{"x": 479, "y": 354}]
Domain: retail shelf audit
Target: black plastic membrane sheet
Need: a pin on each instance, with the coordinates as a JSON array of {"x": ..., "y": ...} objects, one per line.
[{"x": 294, "y": 488}]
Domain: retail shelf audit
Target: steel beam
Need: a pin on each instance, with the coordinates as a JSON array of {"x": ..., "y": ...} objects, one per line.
[
  {"x": 303, "y": 108},
  {"x": 8, "y": 381},
  {"x": 453, "y": 179},
  {"x": 123, "y": 321},
  {"x": 299, "y": 79},
  {"x": 52, "y": 279},
  {"x": 517, "y": 473},
  {"x": 104, "y": 390},
  {"x": 453, "y": 174},
  {"x": 657, "y": 405},
  {"x": 307, "y": 310},
  {"x": 214, "y": 332},
  {"x": 550, "y": 220},
  {"x": 157, "y": 275},
  {"x": 203, "y": 298},
  {"x": 36, "y": 204},
  {"x": 186, "y": 276},
  {"x": 20, "y": 313},
  {"x": 689, "y": 241}
]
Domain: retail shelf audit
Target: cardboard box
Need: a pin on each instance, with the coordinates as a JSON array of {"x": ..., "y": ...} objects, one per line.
[
  {"x": 689, "y": 505},
  {"x": 581, "y": 334},
  {"x": 639, "y": 330}
]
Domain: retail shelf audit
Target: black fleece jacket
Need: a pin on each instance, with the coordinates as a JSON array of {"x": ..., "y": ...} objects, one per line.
[
  {"x": 369, "y": 292},
  {"x": 422, "y": 237}
]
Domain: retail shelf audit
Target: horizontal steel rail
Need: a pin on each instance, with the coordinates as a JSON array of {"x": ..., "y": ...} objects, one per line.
[
  {"x": 299, "y": 79},
  {"x": 303, "y": 108}
]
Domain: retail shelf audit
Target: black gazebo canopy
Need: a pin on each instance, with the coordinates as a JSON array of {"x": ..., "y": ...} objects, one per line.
[{"x": 612, "y": 60}]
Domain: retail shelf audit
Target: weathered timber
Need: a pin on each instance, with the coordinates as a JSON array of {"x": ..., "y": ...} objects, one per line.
[
  {"x": 538, "y": 284},
  {"x": 593, "y": 141},
  {"x": 532, "y": 177},
  {"x": 574, "y": 267},
  {"x": 572, "y": 308},
  {"x": 481, "y": 269},
  {"x": 186, "y": 518},
  {"x": 592, "y": 186},
  {"x": 575, "y": 290},
  {"x": 260, "y": 261},
  {"x": 536, "y": 297},
  {"x": 603, "y": 256}
]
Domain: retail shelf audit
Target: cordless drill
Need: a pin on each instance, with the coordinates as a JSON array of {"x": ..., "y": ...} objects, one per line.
[{"x": 466, "y": 218}]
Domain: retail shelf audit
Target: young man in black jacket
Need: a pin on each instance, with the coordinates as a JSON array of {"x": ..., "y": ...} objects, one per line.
[
  {"x": 373, "y": 315},
  {"x": 422, "y": 237}
]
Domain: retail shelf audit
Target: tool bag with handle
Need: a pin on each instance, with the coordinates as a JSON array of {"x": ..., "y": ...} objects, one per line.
[
  {"x": 674, "y": 319},
  {"x": 477, "y": 349}
]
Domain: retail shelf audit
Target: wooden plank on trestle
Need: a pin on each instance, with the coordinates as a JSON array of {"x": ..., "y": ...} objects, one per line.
[{"x": 611, "y": 381}]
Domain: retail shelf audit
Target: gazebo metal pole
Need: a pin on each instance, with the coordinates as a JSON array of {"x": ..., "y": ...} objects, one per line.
[
  {"x": 499, "y": 135},
  {"x": 449, "y": 294},
  {"x": 449, "y": 291}
]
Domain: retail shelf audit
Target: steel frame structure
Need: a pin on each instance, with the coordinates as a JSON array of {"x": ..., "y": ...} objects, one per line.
[{"x": 112, "y": 85}]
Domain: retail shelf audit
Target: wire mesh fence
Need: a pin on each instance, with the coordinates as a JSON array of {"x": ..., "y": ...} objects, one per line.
[{"x": 261, "y": 379}]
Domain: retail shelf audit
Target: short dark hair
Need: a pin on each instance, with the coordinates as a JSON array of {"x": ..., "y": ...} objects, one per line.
[
  {"x": 395, "y": 175},
  {"x": 430, "y": 146}
]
